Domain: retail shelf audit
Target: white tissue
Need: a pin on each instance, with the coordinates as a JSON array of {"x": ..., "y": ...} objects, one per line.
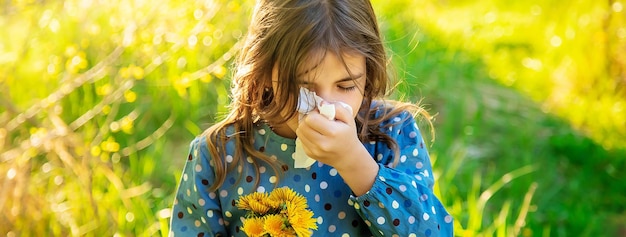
[{"x": 306, "y": 103}]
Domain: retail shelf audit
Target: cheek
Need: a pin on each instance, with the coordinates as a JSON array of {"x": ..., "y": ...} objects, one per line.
[{"x": 355, "y": 103}]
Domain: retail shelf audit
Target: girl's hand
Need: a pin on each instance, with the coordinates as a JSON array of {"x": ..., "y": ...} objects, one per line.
[{"x": 333, "y": 142}]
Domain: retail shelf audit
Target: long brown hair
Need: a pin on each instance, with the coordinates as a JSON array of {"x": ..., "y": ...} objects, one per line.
[{"x": 283, "y": 33}]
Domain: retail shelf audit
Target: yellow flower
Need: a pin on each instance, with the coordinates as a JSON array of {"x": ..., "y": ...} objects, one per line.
[
  {"x": 253, "y": 227},
  {"x": 284, "y": 194},
  {"x": 301, "y": 219},
  {"x": 258, "y": 203},
  {"x": 283, "y": 212},
  {"x": 275, "y": 226}
]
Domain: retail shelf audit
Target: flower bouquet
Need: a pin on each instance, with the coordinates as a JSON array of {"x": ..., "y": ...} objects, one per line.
[{"x": 283, "y": 212}]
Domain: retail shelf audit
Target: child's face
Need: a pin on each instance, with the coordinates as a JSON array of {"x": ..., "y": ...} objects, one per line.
[{"x": 330, "y": 79}]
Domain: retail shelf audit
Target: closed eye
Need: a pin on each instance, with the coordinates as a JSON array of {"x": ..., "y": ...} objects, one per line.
[
  {"x": 347, "y": 88},
  {"x": 349, "y": 84}
]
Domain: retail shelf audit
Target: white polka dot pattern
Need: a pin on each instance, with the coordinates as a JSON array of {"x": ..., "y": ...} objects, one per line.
[{"x": 400, "y": 198}]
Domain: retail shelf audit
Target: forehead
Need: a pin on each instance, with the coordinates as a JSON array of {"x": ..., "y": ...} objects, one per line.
[{"x": 320, "y": 61}]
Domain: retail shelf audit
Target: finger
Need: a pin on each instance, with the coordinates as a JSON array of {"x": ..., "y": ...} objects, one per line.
[
  {"x": 316, "y": 122},
  {"x": 343, "y": 112},
  {"x": 309, "y": 138}
]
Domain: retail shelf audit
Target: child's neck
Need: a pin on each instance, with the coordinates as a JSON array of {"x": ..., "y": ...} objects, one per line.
[{"x": 284, "y": 130}]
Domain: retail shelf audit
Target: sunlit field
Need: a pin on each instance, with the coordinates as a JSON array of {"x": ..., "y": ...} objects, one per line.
[{"x": 100, "y": 99}]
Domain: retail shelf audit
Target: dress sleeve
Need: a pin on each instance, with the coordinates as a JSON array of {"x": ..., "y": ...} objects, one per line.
[
  {"x": 401, "y": 201},
  {"x": 196, "y": 211}
]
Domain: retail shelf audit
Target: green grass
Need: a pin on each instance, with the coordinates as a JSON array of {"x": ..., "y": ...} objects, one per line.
[
  {"x": 98, "y": 103},
  {"x": 496, "y": 116}
]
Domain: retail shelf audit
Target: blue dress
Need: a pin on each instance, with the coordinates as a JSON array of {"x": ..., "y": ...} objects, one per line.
[{"x": 400, "y": 203}]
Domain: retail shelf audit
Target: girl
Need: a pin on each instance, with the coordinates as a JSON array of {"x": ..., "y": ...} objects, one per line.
[{"x": 372, "y": 174}]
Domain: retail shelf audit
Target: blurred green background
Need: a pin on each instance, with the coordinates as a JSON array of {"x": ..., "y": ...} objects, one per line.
[{"x": 100, "y": 99}]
